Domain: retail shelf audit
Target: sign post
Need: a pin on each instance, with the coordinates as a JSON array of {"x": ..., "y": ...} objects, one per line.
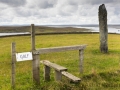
[{"x": 26, "y": 56}]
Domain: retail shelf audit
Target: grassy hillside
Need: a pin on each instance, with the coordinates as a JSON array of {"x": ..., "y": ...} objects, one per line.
[
  {"x": 101, "y": 71},
  {"x": 39, "y": 29}
]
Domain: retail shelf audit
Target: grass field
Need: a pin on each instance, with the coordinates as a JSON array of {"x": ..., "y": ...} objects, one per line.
[{"x": 101, "y": 71}]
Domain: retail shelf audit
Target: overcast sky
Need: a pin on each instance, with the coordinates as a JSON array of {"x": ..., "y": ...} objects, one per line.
[{"x": 58, "y": 12}]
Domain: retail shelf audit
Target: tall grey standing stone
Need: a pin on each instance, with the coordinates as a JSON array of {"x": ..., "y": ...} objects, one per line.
[{"x": 103, "y": 29}]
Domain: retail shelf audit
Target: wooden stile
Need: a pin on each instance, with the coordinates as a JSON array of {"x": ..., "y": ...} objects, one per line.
[
  {"x": 65, "y": 48},
  {"x": 59, "y": 71}
]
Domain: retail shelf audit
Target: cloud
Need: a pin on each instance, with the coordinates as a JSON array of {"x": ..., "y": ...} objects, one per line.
[
  {"x": 42, "y": 4},
  {"x": 14, "y": 3},
  {"x": 93, "y": 2},
  {"x": 56, "y": 11}
]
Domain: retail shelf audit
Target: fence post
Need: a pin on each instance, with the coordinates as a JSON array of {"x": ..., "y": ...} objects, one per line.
[
  {"x": 81, "y": 60},
  {"x": 13, "y": 51},
  {"x": 36, "y": 76}
]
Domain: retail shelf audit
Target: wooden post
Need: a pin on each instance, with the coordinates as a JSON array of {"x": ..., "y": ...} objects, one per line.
[
  {"x": 58, "y": 75},
  {"x": 33, "y": 36},
  {"x": 103, "y": 28},
  {"x": 46, "y": 73},
  {"x": 81, "y": 60},
  {"x": 13, "y": 51},
  {"x": 36, "y": 76}
]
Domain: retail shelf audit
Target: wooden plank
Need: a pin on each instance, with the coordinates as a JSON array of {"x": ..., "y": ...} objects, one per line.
[
  {"x": 71, "y": 77},
  {"x": 13, "y": 51},
  {"x": 58, "y": 49},
  {"x": 53, "y": 65}
]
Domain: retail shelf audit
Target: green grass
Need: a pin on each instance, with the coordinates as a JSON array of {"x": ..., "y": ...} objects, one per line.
[{"x": 101, "y": 71}]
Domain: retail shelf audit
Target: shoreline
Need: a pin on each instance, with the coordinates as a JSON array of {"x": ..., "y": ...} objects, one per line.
[
  {"x": 46, "y": 30},
  {"x": 53, "y": 34}
]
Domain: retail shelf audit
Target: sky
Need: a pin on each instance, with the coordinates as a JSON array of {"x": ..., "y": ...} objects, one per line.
[{"x": 56, "y": 12}]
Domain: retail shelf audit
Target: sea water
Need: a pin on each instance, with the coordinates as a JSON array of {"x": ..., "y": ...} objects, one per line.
[
  {"x": 10, "y": 34},
  {"x": 93, "y": 28}
]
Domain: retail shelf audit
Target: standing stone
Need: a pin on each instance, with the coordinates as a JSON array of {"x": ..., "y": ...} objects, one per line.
[{"x": 103, "y": 29}]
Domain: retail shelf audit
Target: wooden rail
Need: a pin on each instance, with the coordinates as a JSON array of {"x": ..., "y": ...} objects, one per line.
[
  {"x": 59, "y": 49},
  {"x": 64, "y": 48}
]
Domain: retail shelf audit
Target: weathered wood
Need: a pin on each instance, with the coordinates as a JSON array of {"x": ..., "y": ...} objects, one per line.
[
  {"x": 58, "y": 49},
  {"x": 65, "y": 48},
  {"x": 13, "y": 51},
  {"x": 81, "y": 52},
  {"x": 71, "y": 77},
  {"x": 58, "y": 75},
  {"x": 32, "y": 37},
  {"x": 46, "y": 73},
  {"x": 53, "y": 65},
  {"x": 35, "y": 65},
  {"x": 58, "y": 69},
  {"x": 103, "y": 29},
  {"x": 36, "y": 69}
]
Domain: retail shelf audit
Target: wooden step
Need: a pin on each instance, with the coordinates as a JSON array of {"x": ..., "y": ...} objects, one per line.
[
  {"x": 53, "y": 65},
  {"x": 71, "y": 77}
]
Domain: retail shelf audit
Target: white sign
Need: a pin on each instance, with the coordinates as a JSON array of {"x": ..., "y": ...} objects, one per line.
[{"x": 24, "y": 56}]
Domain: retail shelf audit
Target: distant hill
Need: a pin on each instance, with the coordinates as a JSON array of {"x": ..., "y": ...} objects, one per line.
[
  {"x": 40, "y": 29},
  {"x": 51, "y": 28}
]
